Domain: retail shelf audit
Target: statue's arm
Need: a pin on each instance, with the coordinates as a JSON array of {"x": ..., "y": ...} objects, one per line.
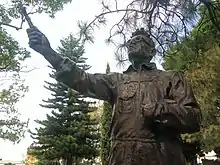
[
  {"x": 180, "y": 112},
  {"x": 99, "y": 86}
]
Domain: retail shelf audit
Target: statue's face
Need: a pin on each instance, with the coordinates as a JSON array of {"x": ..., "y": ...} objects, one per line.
[{"x": 139, "y": 49}]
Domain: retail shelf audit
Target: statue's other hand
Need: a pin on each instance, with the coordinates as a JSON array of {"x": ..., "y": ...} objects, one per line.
[{"x": 37, "y": 40}]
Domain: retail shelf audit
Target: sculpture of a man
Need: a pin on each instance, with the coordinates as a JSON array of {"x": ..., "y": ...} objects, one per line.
[{"x": 150, "y": 108}]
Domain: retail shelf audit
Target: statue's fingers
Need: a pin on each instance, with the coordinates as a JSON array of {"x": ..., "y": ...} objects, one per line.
[
  {"x": 34, "y": 36},
  {"x": 31, "y": 29},
  {"x": 30, "y": 34},
  {"x": 34, "y": 42},
  {"x": 33, "y": 46},
  {"x": 34, "y": 31},
  {"x": 38, "y": 33}
]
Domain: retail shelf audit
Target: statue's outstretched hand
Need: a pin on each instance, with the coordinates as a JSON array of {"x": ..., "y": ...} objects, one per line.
[{"x": 37, "y": 40}]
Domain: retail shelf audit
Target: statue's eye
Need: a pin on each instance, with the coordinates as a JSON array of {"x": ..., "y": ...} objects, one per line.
[{"x": 138, "y": 38}]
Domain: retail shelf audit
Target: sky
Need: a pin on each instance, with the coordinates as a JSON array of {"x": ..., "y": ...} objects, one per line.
[{"x": 65, "y": 22}]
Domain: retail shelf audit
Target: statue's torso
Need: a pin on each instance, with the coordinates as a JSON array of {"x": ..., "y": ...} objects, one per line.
[{"x": 136, "y": 93}]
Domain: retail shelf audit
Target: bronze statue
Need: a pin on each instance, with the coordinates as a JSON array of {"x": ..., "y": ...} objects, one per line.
[{"x": 150, "y": 108}]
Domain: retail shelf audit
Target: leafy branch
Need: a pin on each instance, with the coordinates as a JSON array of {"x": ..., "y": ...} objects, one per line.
[{"x": 24, "y": 15}]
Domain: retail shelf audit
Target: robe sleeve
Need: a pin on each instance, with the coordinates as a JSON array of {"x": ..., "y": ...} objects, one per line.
[
  {"x": 179, "y": 112},
  {"x": 98, "y": 86}
]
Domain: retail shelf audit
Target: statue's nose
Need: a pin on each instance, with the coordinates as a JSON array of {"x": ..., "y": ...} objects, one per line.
[{"x": 132, "y": 44}]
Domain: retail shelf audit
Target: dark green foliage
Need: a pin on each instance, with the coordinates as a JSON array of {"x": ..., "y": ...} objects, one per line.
[
  {"x": 105, "y": 129},
  {"x": 186, "y": 53},
  {"x": 11, "y": 58},
  {"x": 199, "y": 58},
  {"x": 69, "y": 131},
  {"x": 48, "y": 6},
  {"x": 12, "y": 9}
]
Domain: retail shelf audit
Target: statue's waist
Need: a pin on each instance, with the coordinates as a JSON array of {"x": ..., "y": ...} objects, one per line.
[
  {"x": 147, "y": 140},
  {"x": 134, "y": 139}
]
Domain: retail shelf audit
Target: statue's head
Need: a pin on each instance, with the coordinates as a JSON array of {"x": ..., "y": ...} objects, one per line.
[{"x": 141, "y": 47}]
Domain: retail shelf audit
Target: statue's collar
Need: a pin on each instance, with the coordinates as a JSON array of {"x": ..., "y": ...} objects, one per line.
[{"x": 144, "y": 66}]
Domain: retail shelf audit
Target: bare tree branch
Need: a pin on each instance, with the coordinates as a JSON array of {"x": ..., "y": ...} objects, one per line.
[
  {"x": 24, "y": 15},
  {"x": 29, "y": 70},
  {"x": 12, "y": 26},
  {"x": 108, "y": 12},
  {"x": 167, "y": 22}
]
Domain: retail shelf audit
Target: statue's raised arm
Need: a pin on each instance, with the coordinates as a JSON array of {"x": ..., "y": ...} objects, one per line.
[{"x": 100, "y": 86}]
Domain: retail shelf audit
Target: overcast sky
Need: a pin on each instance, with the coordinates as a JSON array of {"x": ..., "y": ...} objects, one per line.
[{"x": 98, "y": 55}]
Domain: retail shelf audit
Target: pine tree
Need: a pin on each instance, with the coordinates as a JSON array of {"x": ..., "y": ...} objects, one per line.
[
  {"x": 105, "y": 129},
  {"x": 69, "y": 132}
]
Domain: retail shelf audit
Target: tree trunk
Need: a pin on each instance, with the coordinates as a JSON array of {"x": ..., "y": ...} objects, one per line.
[
  {"x": 69, "y": 161},
  {"x": 77, "y": 161},
  {"x": 194, "y": 161}
]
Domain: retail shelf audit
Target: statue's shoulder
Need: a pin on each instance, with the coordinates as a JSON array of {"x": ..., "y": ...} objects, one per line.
[
  {"x": 112, "y": 73},
  {"x": 115, "y": 76},
  {"x": 172, "y": 73}
]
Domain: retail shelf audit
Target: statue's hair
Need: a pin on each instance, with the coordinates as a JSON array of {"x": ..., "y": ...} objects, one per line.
[{"x": 140, "y": 31}]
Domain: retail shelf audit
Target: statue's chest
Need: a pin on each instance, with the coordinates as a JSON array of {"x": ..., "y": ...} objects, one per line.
[
  {"x": 140, "y": 89},
  {"x": 149, "y": 82}
]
